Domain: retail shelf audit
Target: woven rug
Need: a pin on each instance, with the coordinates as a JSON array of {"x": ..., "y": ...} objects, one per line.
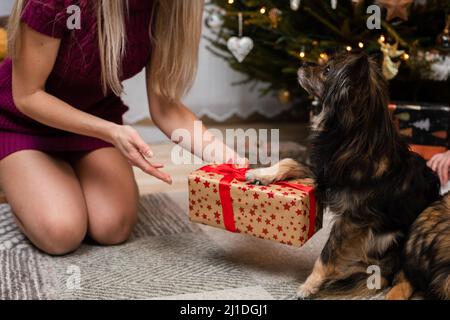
[{"x": 166, "y": 258}]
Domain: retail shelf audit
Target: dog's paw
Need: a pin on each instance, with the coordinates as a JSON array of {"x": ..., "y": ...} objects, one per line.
[
  {"x": 305, "y": 292},
  {"x": 263, "y": 176}
]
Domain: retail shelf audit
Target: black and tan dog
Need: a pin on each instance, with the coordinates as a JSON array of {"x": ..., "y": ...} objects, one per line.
[
  {"x": 364, "y": 174},
  {"x": 426, "y": 266}
]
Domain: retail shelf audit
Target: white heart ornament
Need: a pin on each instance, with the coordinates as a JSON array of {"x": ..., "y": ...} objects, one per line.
[{"x": 240, "y": 47}]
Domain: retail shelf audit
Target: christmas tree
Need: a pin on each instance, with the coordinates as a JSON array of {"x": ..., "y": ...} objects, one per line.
[{"x": 267, "y": 40}]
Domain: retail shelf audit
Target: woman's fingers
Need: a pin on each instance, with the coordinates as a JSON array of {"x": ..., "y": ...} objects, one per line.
[
  {"x": 434, "y": 162},
  {"x": 148, "y": 168},
  {"x": 444, "y": 171},
  {"x": 159, "y": 174},
  {"x": 142, "y": 146}
]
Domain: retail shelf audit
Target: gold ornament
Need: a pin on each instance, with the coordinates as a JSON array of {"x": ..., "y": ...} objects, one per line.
[
  {"x": 396, "y": 8},
  {"x": 390, "y": 68},
  {"x": 443, "y": 39},
  {"x": 275, "y": 17},
  {"x": 284, "y": 96}
]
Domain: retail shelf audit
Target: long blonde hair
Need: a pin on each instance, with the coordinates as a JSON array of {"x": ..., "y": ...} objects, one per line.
[{"x": 175, "y": 38}]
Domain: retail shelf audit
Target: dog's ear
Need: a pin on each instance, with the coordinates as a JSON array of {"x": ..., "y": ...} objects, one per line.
[{"x": 359, "y": 68}]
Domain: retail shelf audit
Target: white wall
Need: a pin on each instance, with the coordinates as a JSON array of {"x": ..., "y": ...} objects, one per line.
[{"x": 5, "y": 7}]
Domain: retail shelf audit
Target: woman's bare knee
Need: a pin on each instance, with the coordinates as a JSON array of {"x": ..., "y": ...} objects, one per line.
[
  {"x": 46, "y": 198},
  {"x": 115, "y": 228},
  {"x": 61, "y": 236}
]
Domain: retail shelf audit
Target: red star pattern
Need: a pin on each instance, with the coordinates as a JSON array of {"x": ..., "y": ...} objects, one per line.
[{"x": 283, "y": 219}]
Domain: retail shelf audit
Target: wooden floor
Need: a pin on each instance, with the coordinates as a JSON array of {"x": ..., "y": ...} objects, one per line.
[{"x": 147, "y": 184}]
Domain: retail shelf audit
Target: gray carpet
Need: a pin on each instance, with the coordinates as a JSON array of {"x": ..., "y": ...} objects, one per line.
[{"x": 166, "y": 258}]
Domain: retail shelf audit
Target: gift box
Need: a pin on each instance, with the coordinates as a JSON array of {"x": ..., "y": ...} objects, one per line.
[
  {"x": 284, "y": 212},
  {"x": 425, "y": 127}
]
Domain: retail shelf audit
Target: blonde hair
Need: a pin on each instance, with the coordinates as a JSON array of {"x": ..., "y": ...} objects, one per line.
[{"x": 175, "y": 38}]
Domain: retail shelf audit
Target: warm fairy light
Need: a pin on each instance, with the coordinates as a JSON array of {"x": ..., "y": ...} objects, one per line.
[
  {"x": 348, "y": 48},
  {"x": 382, "y": 38},
  {"x": 262, "y": 10},
  {"x": 405, "y": 56},
  {"x": 230, "y": 1},
  {"x": 302, "y": 54},
  {"x": 323, "y": 58},
  {"x": 361, "y": 45}
]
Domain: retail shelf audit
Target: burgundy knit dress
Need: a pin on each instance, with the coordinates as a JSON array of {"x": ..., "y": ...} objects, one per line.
[{"x": 76, "y": 76}]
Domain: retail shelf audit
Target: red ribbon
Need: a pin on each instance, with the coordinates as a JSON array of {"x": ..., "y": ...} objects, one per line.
[{"x": 230, "y": 173}]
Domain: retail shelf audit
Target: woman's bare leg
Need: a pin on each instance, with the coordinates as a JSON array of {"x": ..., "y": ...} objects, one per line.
[
  {"x": 46, "y": 199},
  {"x": 110, "y": 192}
]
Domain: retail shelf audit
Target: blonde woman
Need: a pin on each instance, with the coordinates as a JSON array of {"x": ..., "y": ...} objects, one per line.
[{"x": 65, "y": 154}]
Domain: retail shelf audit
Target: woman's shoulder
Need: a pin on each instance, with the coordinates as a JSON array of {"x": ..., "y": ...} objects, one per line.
[{"x": 50, "y": 16}]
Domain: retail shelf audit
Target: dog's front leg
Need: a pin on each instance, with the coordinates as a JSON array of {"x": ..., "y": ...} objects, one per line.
[
  {"x": 314, "y": 281},
  {"x": 285, "y": 169}
]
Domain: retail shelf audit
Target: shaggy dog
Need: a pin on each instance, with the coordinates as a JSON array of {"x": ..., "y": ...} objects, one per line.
[
  {"x": 427, "y": 256},
  {"x": 364, "y": 174}
]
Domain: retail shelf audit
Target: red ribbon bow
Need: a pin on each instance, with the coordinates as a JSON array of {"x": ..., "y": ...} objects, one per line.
[{"x": 230, "y": 173}]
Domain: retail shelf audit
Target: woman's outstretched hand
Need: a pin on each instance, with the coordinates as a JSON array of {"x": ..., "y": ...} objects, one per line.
[
  {"x": 440, "y": 164},
  {"x": 128, "y": 141}
]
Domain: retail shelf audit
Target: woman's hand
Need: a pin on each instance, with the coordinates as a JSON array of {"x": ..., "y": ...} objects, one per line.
[
  {"x": 128, "y": 141},
  {"x": 440, "y": 163}
]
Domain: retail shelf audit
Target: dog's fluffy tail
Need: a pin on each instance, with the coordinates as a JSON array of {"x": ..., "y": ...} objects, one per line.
[{"x": 355, "y": 286}]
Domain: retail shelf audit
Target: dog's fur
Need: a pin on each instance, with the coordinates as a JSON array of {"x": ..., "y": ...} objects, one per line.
[
  {"x": 427, "y": 256},
  {"x": 364, "y": 174}
]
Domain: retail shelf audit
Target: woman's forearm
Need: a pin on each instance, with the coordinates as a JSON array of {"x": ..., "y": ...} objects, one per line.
[
  {"x": 53, "y": 112},
  {"x": 171, "y": 118}
]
